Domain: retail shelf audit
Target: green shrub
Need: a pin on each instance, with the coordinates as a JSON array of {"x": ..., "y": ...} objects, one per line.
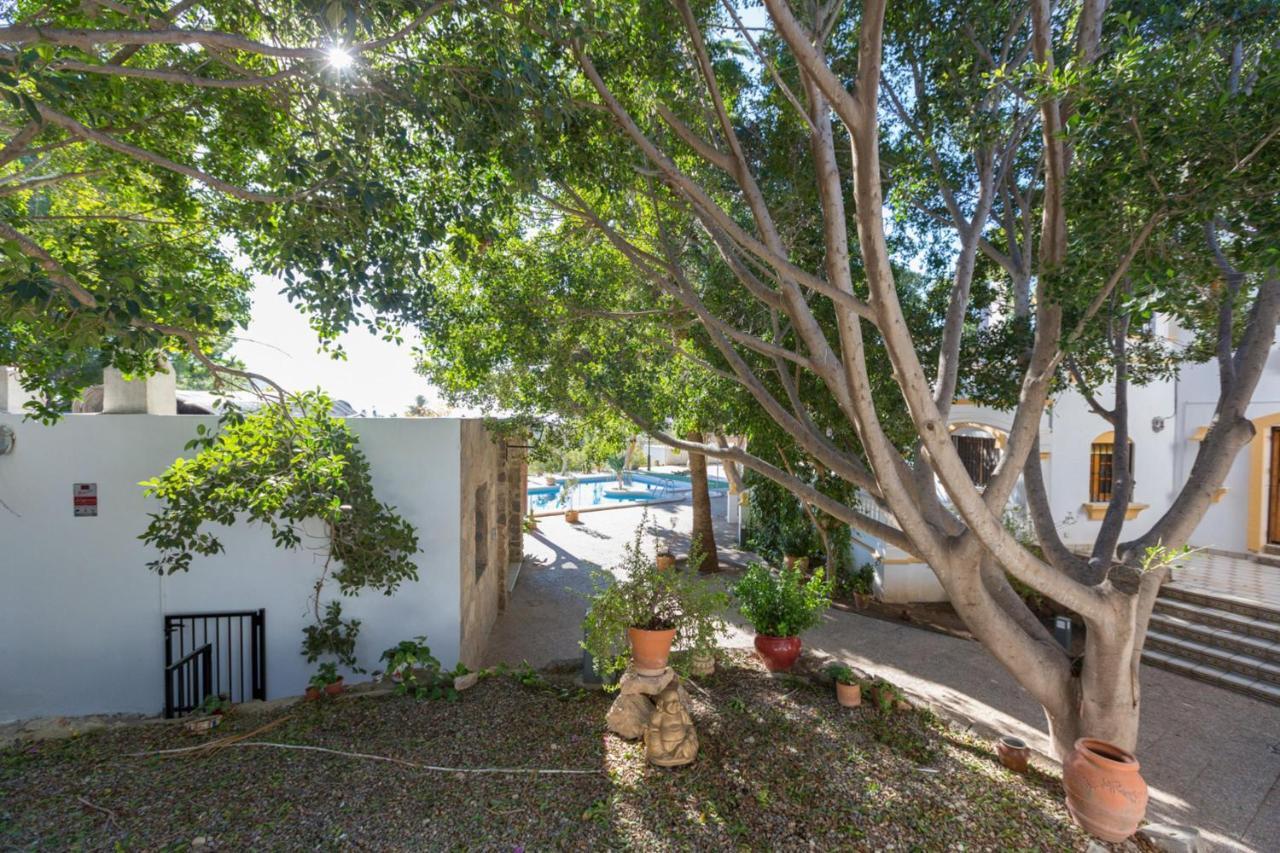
[
  {"x": 782, "y": 603},
  {"x": 419, "y": 671}
]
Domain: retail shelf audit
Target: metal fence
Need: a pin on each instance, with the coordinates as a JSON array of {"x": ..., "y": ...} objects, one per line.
[{"x": 213, "y": 654}]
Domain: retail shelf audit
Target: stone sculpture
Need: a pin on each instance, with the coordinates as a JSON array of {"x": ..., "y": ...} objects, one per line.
[{"x": 670, "y": 740}]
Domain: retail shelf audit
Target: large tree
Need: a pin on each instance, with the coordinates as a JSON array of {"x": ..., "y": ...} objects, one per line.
[
  {"x": 816, "y": 233},
  {"x": 825, "y": 221}
]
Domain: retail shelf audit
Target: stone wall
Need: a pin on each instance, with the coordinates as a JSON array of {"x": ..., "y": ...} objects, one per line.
[{"x": 484, "y": 514}]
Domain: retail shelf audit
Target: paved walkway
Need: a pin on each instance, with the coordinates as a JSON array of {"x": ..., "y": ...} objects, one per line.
[
  {"x": 1210, "y": 756},
  {"x": 1232, "y": 576}
]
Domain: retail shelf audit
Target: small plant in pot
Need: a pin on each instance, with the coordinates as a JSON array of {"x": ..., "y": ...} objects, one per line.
[
  {"x": 416, "y": 672},
  {"x": 848, "y": 688},
  {"x": 639, "y": 617},
  {"x": 860, "y": 584},
  {"x": 565, "y": 498},
  {"x": 326, "y": 679},
  {"x": 666, "y": 560},
  {"x": 781, "y": 605}
]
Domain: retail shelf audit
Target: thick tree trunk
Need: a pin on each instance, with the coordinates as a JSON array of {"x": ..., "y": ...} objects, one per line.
[{"x": 703, "y": 532}]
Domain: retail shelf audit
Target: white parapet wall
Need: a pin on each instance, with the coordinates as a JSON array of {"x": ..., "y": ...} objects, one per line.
[{"x": 81, "y": 615}]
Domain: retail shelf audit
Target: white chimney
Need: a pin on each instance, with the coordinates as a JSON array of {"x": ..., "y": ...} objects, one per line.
[{"x": 156, "y": 394}]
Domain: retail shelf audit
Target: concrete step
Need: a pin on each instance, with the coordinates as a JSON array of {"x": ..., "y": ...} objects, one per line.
[
  {"x": 1265, "y": 648},
  {"x": 1215, "y": 617},
  {"x": 1258, "y": 689},
  {"x": 1251, "y": 608},
  {"x": 1196, "y": 652}
]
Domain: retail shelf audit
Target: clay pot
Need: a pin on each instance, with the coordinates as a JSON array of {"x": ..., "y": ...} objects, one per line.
[
  {"x": 861, "y": 600},
  {"x": 650, "y": 650},
  {"x": 312, "y": 694},
  {"x": 666, "y": 561},
  {"x": 778, "y": 653},
  {"x": 1105, "y": 793},
  {"x": 335, "y": 688},
  {"x": 1013, "y": 752},
  {"x": 571, "y": 516},
  {"x": 848, "y": 695},
  {"x": 702, "y": 663},
  {"x": 550, "y": 481},
  {"x": 790, "y": 561}
]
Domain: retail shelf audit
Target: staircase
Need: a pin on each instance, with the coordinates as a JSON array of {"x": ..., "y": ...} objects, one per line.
[{"x": 1219, "y": 639}]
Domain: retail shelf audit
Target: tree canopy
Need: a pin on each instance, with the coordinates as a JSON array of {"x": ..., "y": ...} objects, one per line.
[{"x": 816, "y": 229}]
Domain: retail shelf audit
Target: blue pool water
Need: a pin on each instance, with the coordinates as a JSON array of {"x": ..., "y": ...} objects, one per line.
[{"x": 603, "y": 489}]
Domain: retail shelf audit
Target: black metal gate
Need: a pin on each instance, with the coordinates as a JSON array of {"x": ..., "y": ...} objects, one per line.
[{"x": 213, "y": 654}]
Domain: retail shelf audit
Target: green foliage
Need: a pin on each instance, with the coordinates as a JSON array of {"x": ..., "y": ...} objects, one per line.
[
  {"x": 842, "y": 673},
  {"x": 860, "y": 580},
  {"x": 333, "y": 635},
  {"x": 214, "y": 703},
  {"x": 779, "y": 527},
  {"x": 279, "y": 467},
  {"x": 782, "y": 603},
  {"x": 652, "y": 600},
  {"x": 417, "y": 672},
  {"x": 327, "y": 674}
]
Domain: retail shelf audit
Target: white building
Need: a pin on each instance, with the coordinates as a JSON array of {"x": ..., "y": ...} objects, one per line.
[
  {"x": 85, "y": 627},
  {"x": 1167, "y": 421}
]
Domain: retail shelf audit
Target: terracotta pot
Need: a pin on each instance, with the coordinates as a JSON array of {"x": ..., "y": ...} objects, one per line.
[
  {"x": 702, "y": 664},
  {"x": 848, "y": 695},
  {"x": 551, "y": 481},
  {"x": 312, "y": 694},
  {"x": 1013, "y": 752},
  {"x": 666, "y": 561},
  {"x": 790, "y": 561},
  {"x": 778, "y": 653},
  {"x": 335, "y": 688},
  {"x": 650, "y": 650},
  {"x": 1105, "y": 793},
  {"x": 571, "y": 516},
  {"x": 861, "y": 600}
]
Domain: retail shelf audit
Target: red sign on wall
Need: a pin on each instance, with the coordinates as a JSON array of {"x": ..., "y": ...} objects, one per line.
[{"x": 84, "y": 500}]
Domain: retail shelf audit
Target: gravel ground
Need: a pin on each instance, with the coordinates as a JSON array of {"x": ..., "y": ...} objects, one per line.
[{"x": 782, "y": 766}]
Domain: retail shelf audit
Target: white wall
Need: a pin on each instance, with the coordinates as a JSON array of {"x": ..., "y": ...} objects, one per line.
[{"x": 80, "y": 614}]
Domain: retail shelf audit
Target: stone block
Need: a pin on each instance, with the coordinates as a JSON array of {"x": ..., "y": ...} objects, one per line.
[
  {"x": 466, "y": 682},
  {"x": 649, "y": 685},
  {"x": 629, "y": 715}
]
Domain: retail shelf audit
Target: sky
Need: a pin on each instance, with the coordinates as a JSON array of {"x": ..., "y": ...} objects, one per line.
[{"x": 279, "y": 344}]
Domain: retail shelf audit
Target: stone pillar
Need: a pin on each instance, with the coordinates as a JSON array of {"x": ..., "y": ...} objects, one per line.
[
  {"x": 12, "y": 395},
  {"x": 156, "y": 394}
]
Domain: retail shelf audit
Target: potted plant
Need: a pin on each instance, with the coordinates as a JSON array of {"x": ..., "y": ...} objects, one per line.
[
  {"x": 780, "y": 606},
  {"x": 568, "y": 491},
  {"x": 886, "y": 696},
  {"x": 1013, "y": 752},
  {"x": 848, "y": 688},
  {"x": 530, "y": 523},
  {"x": 666, "y": 560},
  {"x": 327, "y": 679},
  {"x": 550, "y": 479},
  {"x": 416, "y": 672},
  {"x": 652, "y": 610},
  {"x": 861, "y": 585}
]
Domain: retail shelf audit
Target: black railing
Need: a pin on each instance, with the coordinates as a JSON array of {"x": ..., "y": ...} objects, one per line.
[
  {"x": 188, "y": 681},
  {"x": 213, "y": 654}
]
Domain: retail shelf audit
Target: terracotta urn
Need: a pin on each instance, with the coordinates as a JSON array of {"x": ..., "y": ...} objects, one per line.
[
  {"x": 848, "y": 695},
  {"x": 861, "y": 600},
  {"x": 1106, "y": 794},
  {"x": 1013, "y": 752},
  {"x": 334, "y": 688},
  {"x": 312, "y": 694},
  {"x": 666, "y": 561},
  {"x": 702, "y": 663},
  {"x": 571, "y": 516},
  {"x": 650, "y": 650},
  {"x": 778, "y": 653}
]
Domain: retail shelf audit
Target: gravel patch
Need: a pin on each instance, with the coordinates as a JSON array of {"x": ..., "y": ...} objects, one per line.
[{"x": 782, "y": 766}]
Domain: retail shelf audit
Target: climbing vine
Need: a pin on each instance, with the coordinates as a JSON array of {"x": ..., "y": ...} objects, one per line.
[{"x": 278, "y": 467}]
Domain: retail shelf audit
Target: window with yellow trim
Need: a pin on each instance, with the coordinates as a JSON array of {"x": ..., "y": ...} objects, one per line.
[{"x": 1102, "y": 470}]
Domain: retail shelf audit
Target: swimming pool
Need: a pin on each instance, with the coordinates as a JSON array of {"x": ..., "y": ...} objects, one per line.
[{"x": 603, "y": 490}]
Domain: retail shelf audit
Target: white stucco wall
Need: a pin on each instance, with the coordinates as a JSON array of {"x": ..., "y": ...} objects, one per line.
[{"x": 80, "y": 614}]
